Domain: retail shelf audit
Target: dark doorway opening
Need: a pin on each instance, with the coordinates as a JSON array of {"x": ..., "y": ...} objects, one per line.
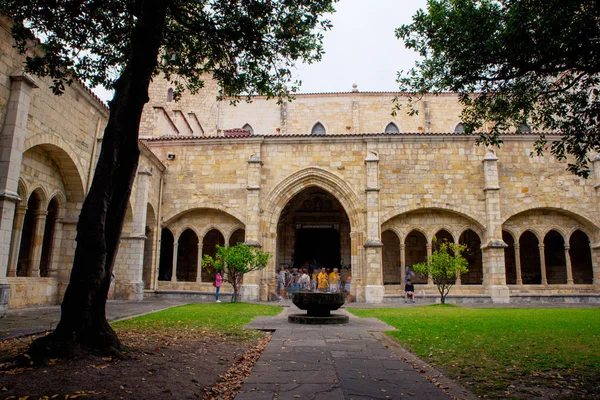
[{"x": 322, "y": 244}]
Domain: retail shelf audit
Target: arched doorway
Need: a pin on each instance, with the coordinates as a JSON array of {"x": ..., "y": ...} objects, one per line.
[
  {"x": 510, "y": 265},
  {"x": 440, "y": 237},
  {"x": 209, "y": 247},
  {"x": 165, "y": 268},
  {"x": 237, "y": 237},
  {"x": 581, "y": 258},
  {"x": 531, "y": 266},
  {"x": 554, "y": 255},
  {"x": 474, "y": 258},
  {"x": 415, "y": 246},
  {"x": 314, "y": 226},
  {"x": 24, "y": 267},
  {"x": 391, "y": 258},
  {"x": 148, "y": 261},
  {"x": 187, "y": 256}
]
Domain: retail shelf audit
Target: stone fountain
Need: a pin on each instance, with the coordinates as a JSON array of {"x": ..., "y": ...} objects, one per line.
[{"x": 318, "y": 306}]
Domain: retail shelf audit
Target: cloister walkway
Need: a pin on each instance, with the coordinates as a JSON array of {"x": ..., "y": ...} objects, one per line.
[{"x": 329, "y": 362}]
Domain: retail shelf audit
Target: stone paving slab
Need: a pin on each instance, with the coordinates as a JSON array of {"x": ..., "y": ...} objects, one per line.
[{"x": 332, "y": 362}]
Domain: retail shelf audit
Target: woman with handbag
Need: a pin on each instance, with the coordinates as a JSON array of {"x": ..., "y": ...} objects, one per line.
[{"x": 217, "y": 285}]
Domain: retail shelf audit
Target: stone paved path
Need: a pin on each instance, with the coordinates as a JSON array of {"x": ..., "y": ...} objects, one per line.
[{"x": 331, "y": 362}]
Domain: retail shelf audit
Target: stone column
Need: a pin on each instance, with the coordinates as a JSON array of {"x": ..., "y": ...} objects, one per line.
[
  {"x": 374, "y": 289},
  {"x": 518, "y": 263},
  {"x": 199, "y": 271},
  {"x": 543, "y": 264},
  {"x": 174, "y": 266},
  {"x": 11, "y": 155},
  {"x": 17, "y": 233},
  {"x": 132, "y": 288},
  {"x": 35, "y": 254},
  {"x": 251, "y": 289},
  {"x": 55, "y": 248},
  {"x": 402, "y": 264},
  {"x": 494, "y": 271},
  {"x": 357, "y": 260},
  {"x": 569, "y": 267},
  {"x": 429, "y": 253}
]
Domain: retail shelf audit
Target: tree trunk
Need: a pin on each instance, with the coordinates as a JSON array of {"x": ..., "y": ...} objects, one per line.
[{"x": 83, "y": 319}]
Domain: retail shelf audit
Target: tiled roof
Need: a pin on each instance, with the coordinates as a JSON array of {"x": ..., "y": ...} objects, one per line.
[{"x": 234, "y": 135}]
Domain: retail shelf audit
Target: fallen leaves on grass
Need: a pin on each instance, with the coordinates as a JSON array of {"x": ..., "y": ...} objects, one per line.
[{"x": 232, "y": 381}]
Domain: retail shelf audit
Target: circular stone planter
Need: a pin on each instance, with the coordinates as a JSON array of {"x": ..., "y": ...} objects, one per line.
[{"x": 318, "y": 306}]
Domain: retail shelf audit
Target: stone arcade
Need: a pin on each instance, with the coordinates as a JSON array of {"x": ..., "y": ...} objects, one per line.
[{"x": 331, "y": 176}]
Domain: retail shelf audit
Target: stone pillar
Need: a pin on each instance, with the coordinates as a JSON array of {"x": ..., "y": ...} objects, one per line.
[
  {"x": 429, "y": 253},
  {"x": 374, "y": 289},
  {"x": 402, "y": 264},
  {"x": 569, "y": 267},
  {"x": 494, "y": 271},
  {"x": 35, "y": 254},
  {"x": 174, "y": 266},
  {"x": 458, "y": 278},
  {"x": 250, "y": 289},
  {"x": 17, "y": 233},
  {"x": 199, "y": 271},
  {"x": 131, "y": 286},
  {"x": 11, "y": 155},
  {"x": 55, "y": 248},
  {"x": 357, "y": 261},
  {"x": 541, "y": 247},
  {"x": 283, "y": 118},
  {"x": 518, "y": 263}
]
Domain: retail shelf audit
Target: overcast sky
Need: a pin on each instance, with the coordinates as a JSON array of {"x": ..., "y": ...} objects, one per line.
[{"x": 361, "y": 48}]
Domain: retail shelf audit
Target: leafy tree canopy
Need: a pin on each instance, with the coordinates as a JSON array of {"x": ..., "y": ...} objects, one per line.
[
  {"x": 235, "y": 261},
  {"x": 444, "y": 265},
  {"x": 248, "y": 46},
  {"x": 514, "y": 62}
]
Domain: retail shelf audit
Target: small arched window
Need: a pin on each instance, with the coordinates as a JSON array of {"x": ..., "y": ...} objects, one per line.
[
  {"x": 318, "y": 129},
  {"x": 170, "y": 95},
  {"x": 391, "y": 128},
  {"x": 524, "y": 128},
  {"x": 460, "y": 128},
  {"x": 248, "y": 127}
]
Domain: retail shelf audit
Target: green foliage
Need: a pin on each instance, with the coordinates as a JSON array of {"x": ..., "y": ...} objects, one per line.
[
  {"x": 235, "y": 261},
  {"x": 249, "y": 47},
  {"x": 490, "y": 349},
  {"x": 444, "y": 265},
  {"x": 513, "y": 62},
  {"x": 224, "y": 318}
]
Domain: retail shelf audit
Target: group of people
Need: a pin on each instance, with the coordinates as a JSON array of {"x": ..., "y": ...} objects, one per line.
[{"x": 290, "y": 280}]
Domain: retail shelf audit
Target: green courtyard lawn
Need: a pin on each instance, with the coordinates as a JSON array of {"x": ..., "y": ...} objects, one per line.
[
  {"x": 223, "y": 318},
  {"x": 505, "y": 353}
]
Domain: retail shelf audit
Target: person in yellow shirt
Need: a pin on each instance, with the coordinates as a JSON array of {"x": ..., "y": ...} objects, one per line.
[
  {"x": 322, "y": 278},
  {"x": 334, "y": 279}
]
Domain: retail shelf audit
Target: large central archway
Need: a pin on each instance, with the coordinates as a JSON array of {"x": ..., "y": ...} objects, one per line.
[{"x": 313, "y": 226}]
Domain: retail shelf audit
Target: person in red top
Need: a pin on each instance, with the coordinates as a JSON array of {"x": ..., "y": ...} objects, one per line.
[{"x": 218, "y": 282}]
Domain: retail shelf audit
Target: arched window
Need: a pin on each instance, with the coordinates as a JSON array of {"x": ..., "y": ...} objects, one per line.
[
  {"x": 318, "y": 129},
  {"x": 459, "y": 128},
  {"x": 524, "y": 128},
  {"x": 248, "y": 128},
  {"x": 170, "y": 95},
  {"x": 391, "y": 128}
]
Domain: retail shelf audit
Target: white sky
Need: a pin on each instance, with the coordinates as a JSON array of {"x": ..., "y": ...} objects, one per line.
[{"x": 361, "y": 48}]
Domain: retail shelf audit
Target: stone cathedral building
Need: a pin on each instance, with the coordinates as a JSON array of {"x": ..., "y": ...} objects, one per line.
[{"x": 330, "y": 176}]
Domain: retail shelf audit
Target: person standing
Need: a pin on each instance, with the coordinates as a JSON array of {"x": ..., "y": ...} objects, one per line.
[
  {"x": 322, "y": 278},
  {"x": 218, "y": 282},
  {"x": 333, "y": 281},
  {"x": 348, "y": 287},
  {"x": 314, "y": 279}
]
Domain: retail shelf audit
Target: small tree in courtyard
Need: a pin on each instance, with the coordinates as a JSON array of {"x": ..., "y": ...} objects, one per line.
[
  {"x": 235, "y": 261},
  {"x": 444, "y": 265}
]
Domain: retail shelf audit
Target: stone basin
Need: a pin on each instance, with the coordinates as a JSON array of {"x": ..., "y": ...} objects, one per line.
[{"x": 318, "y": 306}]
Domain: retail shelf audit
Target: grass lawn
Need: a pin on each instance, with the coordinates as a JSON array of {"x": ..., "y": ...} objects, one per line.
[
  {"x": 225, "y": 318},
  {"x": 505, "y": 353}
]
